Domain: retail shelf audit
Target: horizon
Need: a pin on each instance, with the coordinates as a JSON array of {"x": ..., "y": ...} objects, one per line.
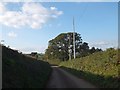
[{"x": 43, "y": 21}]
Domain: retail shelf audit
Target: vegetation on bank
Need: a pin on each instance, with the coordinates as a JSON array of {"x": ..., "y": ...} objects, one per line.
[
  {"x": 20, "y": 71},
  {"x": 54, "y": 62},
  {"x": 100, "y": 68}
]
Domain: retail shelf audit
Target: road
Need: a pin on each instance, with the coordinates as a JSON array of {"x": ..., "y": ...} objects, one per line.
[{"x": 62, "y": 79}]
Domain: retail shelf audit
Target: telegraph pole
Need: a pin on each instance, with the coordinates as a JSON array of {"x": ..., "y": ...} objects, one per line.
[
  {"x": 69, "y": 48},
  {"x": 74, "y": 37}
]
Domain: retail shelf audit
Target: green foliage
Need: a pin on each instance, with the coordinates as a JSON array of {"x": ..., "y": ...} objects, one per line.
[
  {"x": 61, "y": 47},
  {"x": 40, "y": 56},
  {"x": 20, "y": 71},
  {"x": 53, "y": 62},
  {"x": 101, "y": 68}
]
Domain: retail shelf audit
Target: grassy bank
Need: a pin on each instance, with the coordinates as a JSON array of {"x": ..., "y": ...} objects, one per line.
[
  {"x": 20, "y": 71},
  {"x": 100, "y": 68}
]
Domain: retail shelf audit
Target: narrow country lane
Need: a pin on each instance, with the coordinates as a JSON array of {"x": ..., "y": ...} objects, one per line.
[{"x": 62, "y": 79}]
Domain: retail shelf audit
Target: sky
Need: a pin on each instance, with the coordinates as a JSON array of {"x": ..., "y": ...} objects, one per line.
[
  {"x": 59, "y": 0},
  {"x": 28, "y": 26}
]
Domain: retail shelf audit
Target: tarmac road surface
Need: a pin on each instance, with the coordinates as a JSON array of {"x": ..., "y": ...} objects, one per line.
[{"x": 62, "y": 79}]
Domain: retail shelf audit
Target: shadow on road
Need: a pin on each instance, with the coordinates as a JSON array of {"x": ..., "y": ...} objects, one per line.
[
  {"x": 98, "y": 80},
  {"x": 60, "y": 78}
]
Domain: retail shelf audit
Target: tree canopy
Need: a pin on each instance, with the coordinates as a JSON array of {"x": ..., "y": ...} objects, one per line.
[{"x": 62, "y": 46}]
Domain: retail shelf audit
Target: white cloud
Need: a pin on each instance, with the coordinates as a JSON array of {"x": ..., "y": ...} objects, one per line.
[
  {"x": 104, "y": 44},
  {"x": 34, "y": 15},
  {"x": 101, "y": 43},
  {"x": 13, "y": 48},
  {"x": 12, "y": 34},
  {"x": 53, "y": 8},
  {"x": 33, "y": 49},
  {"x": 2, "y": 8}
]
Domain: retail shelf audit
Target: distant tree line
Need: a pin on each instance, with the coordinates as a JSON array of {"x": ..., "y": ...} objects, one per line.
[{"x": 61, "y": 47}]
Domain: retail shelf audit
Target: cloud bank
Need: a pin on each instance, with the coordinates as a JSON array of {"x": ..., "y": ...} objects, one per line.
[
  {"x": 33, "y": 15},
  {"x": 28, "y": 50},
  {"x": 104, "y": 44}
]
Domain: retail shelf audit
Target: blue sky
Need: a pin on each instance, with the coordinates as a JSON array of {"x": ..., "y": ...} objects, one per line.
[{"x": 24, "y": 30}]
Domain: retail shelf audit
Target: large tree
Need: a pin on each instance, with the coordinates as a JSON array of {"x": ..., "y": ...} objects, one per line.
[{"x": 61, "y": 46}]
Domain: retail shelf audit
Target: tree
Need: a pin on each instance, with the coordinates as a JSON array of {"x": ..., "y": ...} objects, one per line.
[
  {"x": 98, "y": 50},
  {"x": 59, "y": 47},
  {"x": 93, "y": 50},
  {"x": 83, "y": 50}
]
